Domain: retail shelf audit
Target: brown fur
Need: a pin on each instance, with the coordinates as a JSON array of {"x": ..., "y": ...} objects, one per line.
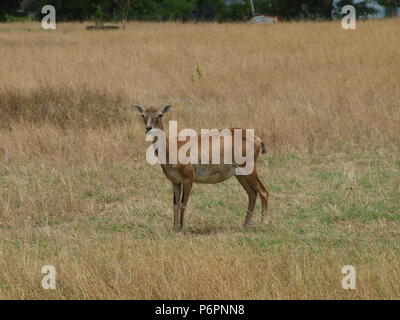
[{"x": 182, "y": 176}]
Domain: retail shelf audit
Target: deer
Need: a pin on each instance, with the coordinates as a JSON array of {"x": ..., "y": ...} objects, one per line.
[{"x": 183, "y": 175}]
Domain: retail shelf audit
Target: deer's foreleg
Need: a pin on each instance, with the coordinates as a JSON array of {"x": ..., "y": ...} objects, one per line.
[
  {"x": 177, "y": 204},
  {"x": 187, "y": 188}
]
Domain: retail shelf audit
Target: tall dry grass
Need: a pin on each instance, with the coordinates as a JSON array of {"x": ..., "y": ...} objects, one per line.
[
  {"x": 75, "y": 190},
  {"x": 301, "y": 85}
]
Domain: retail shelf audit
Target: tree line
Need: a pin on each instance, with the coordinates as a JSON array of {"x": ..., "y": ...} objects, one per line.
[{"x": 186, "y": 10}]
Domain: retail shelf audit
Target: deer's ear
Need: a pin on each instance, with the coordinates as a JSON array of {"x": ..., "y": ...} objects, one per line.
[
  {"x": 138, "y": 108},
  {"x": 167, "y": 108}
]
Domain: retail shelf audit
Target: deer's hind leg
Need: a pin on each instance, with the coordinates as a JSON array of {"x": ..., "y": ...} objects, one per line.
[
  {"x": 263, "y": 192},
  {"x": 249, "y": 187}
]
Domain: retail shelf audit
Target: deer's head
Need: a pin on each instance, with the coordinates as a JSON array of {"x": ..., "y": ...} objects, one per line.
[{"x": 152, "y": 117}]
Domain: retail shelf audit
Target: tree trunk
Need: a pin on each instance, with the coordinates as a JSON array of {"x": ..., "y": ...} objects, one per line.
[{"x": 328, "y": 7}]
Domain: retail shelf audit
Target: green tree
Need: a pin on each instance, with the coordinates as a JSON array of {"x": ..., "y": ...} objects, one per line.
[
  {"x": 124, "y": 7},
  {"x": 176, "y": 9},
  {"x": 145, "y": 10},
  {"x": 234, "y": 12},
  {"x": 76, "y": 10},
  {"x": 8, "y": 7},
  {"x": 390, "y": 6},
  {"x": 362, "y": 8}
]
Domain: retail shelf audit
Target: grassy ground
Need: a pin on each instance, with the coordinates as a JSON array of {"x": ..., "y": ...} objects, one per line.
[
  {"x": 107, "y": 229},
  {"x": 77, "y": 193}
]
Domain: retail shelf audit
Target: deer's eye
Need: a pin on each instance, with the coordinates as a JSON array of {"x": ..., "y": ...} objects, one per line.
[{"x": 144, "y": 118}]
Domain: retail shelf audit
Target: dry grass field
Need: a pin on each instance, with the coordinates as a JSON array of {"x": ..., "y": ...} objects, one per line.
[{"x": 76, "y": 191}]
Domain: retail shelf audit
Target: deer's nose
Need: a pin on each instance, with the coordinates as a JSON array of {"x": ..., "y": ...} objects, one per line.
[{"x": 148, "y": 128}]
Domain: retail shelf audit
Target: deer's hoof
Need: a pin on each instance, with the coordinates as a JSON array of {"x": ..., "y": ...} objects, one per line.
[
  {"x": 246, "y": 225},
  {"x": 265, "y": 222}
]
